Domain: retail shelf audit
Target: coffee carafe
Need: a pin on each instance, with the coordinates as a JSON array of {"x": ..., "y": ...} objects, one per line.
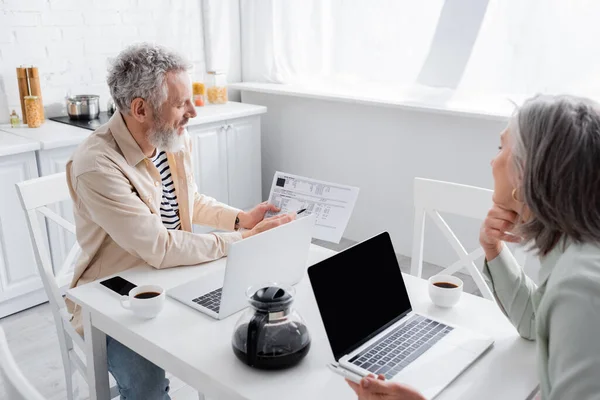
[{"x": 270, "y": 334}]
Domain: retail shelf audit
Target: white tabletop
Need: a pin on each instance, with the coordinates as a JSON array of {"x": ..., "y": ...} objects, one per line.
[
  {"x": 197, "y": 348},
  {"x": 14, "y": 144}
]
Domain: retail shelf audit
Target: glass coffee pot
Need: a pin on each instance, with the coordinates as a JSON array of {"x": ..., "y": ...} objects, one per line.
[{"x": 270, "y": 334}]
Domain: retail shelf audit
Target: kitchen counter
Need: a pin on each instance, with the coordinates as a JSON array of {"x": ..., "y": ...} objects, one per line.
[
  {"x": 12, "y": 144},
  {"x": 53, "y": 134},
  {"x": 50, "y": 135},
  {"x": 213, "y": 113}
]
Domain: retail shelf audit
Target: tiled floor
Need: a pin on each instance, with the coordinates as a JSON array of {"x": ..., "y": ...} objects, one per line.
[{"x": 32, "y": 339}]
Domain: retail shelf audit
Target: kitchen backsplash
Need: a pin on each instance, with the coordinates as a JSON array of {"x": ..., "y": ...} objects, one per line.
[{"x": 70, "y": 42}]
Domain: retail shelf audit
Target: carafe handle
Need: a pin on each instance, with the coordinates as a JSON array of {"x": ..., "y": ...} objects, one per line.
[{"x": 254, "y": 327}]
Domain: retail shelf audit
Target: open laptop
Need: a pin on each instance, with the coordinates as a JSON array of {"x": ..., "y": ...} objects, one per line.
[
  {"x": 278, "y": 255},
  {"x": 372, "y": 328}
]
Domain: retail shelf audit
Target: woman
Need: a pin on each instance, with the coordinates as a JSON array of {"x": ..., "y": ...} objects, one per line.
[{"x": 547, "y": 195}]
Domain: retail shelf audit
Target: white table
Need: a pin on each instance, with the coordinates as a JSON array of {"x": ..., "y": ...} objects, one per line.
[{"x": 197, "y": 348}]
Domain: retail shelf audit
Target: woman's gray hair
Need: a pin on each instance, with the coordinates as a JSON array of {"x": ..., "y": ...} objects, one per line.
[
  {"x": 140, "y": 71},
  {"x": 556, "y": 157}
]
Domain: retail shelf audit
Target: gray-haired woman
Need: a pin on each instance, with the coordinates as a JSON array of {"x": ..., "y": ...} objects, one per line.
[{"x": 546, "y": 195}]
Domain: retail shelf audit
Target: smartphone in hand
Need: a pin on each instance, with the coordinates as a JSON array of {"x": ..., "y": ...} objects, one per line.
[{"x": 350, "y": 375}]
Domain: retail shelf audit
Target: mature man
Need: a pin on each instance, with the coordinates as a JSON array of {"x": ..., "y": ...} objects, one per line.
[{"x": 135, "y": 199}]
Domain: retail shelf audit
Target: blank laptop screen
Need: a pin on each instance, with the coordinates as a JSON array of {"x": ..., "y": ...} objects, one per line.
[{"x": 360, "y": 292}]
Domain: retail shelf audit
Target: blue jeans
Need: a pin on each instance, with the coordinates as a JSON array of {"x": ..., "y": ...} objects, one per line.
[{"x": 137, "y": 378}]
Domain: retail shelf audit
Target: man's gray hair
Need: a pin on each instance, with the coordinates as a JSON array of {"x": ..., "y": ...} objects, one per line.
[
  {"x": 556, "y": 155},
  {"x": 140, "y": 71}
]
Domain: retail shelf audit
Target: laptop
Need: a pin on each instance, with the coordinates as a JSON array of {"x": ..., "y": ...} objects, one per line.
[
  {"x": 278, "y": 255},
  {"x": 372, "y": 328}
]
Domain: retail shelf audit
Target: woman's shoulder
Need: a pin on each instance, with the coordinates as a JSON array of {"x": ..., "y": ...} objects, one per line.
[{"x": 578, "y": 265}]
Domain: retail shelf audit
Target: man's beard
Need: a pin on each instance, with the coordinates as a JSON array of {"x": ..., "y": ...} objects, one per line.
[{"x": 163, "y": 137}]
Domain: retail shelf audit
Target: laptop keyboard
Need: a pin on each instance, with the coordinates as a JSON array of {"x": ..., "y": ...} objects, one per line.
[
  {"x": 211, "y": 300},
  {"x": 401, "y": 346}
]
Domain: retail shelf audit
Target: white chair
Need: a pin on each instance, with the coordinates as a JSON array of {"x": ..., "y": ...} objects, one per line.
[
  {"x": 432, "y": 197},
  {"x": 36, "y": 195},
  {"x": 17, "y": 387}
]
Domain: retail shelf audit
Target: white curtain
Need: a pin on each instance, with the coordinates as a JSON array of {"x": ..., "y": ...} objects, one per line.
[
  {"x": 295, "y": 41},
  {"x": 507, "y": 48},
  {"x": 216, "y": 30}
]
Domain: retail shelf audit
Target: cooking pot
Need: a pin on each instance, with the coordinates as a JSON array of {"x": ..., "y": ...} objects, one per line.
[{"x": 85, "y": 106}]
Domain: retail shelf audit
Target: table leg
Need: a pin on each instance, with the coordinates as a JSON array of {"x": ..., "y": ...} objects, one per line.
[{"x": 95, "y": 354}]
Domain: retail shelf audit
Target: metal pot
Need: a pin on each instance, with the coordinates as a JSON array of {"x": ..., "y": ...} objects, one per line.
[
  {"x": 85, "y": 106},
  {"x": 111, "y": 108}
]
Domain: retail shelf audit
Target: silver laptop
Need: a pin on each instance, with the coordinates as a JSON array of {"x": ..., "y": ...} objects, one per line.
[
  {"x": 278, "y": 255},
  {"x": 372, "y": 328}
]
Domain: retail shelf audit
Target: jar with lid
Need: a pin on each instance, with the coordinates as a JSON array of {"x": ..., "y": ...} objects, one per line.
[
  {"x": 216, "y": 91},
  {"x": 33, "y": 109}
]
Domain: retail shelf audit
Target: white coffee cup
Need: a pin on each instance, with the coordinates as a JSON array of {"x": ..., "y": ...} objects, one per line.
[
  {"x": 144, "y": 307},
  {"x": 445, "y": 296}
]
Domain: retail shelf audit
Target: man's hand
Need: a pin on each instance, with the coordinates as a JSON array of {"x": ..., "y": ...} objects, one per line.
[
  {"x": 496, "y": 228},
  {"x": 248, "y": 220},
  {"x": 378, "y": 389},
  {"x": 269, "y": 223}
]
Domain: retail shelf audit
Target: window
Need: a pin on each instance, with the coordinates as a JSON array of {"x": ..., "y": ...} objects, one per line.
[{"x": 508, "y": 48}]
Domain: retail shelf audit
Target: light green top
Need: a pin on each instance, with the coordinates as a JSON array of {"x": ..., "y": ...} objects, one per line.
[{"x": 562, "y": 315}]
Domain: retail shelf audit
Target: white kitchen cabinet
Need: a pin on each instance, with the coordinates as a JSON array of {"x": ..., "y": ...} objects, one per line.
[
  {"x": 227, "y": 162},
  {"x": 56, "y": 143},
  {"x": 209, "y": 148},
  {"x": 244, "y": 162},
  {"x": 20, "y": 285}
]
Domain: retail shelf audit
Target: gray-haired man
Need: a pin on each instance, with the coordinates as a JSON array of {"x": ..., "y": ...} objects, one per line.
[{"x": 135, "y": 199}]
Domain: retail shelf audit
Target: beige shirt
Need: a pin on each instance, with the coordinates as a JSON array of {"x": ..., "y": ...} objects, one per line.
[
  {"x": 117, "y": 190},
  {"x": 562, "y": 315}
]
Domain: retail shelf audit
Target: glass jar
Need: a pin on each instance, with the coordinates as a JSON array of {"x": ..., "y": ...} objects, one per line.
[
  {"x": 33, "y": 108},
  {"x": 15, "y": 122},
  {"x": 199, "y": 91},
  {"x": 217, "y": 88}
]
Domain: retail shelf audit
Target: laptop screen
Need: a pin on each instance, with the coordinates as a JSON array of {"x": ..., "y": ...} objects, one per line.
[{"x": 359, "y": 292}]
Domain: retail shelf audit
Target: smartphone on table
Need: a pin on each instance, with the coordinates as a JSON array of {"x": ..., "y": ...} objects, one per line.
[{"x": 118, "y": 285}]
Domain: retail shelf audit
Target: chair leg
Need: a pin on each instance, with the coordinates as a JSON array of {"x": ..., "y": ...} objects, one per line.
[
  {"x": 69, "y": 372},
  {"x": 75, "y": 386},
  {"x": 65, "y": 346}
]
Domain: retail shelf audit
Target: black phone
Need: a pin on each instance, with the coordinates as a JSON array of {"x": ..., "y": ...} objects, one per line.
[{"x": 118, "y": 285}]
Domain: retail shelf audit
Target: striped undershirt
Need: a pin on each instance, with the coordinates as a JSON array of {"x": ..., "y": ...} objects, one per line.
[{"x": 169, "y": 207}]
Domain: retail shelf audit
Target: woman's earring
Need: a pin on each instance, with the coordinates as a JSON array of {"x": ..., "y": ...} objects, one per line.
[{"x": 514, "y": 196}]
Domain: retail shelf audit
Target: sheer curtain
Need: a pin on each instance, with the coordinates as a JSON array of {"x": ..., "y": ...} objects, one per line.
[
  {"x": 537, "y": 46},
  {"x": 504, "y": 48},
  {"x": 299, "y": 41}
]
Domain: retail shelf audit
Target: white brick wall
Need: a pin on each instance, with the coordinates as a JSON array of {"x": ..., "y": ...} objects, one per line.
[{"x": 71, "y": 40}]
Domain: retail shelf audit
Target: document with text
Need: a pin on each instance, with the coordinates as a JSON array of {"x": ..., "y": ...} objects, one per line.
[{"x": 331, "y": 203}]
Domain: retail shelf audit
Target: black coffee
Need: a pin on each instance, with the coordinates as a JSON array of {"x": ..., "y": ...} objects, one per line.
[
  {"x": 445, "y": 285},
  {"x": 276, "y": 359},
  {"x": 146, "y": 295},
  {"x": 279, "y": 347}
]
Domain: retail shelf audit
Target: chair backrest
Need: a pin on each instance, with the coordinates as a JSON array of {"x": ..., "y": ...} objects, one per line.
[
  {"x": 432, "y": 197},
  {"x": 15, "y": 384},
  {"x": 36, "y": 195}
]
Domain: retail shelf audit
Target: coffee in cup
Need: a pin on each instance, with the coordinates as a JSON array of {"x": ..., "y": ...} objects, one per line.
[
  {"x": 445, "y": 290},
  {"x": 145, "y": 301}
]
